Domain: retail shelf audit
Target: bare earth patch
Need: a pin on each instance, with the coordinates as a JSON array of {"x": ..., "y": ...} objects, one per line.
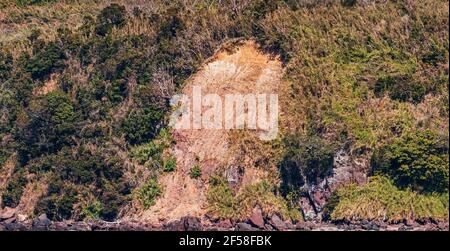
[{"x": 244, "y": 69}]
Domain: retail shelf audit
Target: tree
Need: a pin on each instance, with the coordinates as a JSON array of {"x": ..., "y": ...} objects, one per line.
[{"x": 46, "y": 61}]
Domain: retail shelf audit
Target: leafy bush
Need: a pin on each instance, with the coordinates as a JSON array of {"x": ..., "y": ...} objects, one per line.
[
  {"x": 221, "y": 200},
  {"x": 195, "y": 172},
  {"x": 170, "y": 164},
  {"x": 381, "y": 200},
  {"x": 306, "y": 159},
  {"x": 149, "y": 192},
  {"x": 418, "y": 160},
  {"x": 142, "y": 125},
  {"x": 3, "y": 157}
]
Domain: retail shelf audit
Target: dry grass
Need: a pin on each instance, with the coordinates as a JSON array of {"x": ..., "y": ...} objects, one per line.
[{"x": 381, "y": 200}]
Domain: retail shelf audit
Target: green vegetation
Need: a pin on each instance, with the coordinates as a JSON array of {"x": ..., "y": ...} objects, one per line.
[
  {"x": 195, "y": 172},
  {"x": 85, "y": 89},
  {"x": 47, "y": 60},
  {"x": 225, "y": 203},
  {"x": 418, "y": 160},
  {"x": 149, "y": 192},
  {"x": 170, "y": 164},
  {"x": 112, "y": 16},
  {"x": 14, "y": 190},
  {"x": 73, "y": 178},
  {"x": 381, "y": 200},
  {"x": 306, "y": 159}
]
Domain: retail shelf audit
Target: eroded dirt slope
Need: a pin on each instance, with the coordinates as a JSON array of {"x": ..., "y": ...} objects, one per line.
[{"x": 242, "y": 69}]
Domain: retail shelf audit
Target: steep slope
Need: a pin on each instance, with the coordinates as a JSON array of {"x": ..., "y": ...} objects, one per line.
[{"x": 242, "y": 70}]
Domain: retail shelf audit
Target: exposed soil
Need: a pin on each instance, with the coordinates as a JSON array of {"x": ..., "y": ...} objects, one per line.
[{"x": 243, "y": 69}]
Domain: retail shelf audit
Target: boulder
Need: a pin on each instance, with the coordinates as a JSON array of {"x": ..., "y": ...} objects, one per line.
[
  {"x": 225, "y": 224},
  {"x": 175, "y": 225},
  {"x": 41, "y": 223},
  {"x": 192, "y": 223},
  {"x": 21, "y": 217},
  {"x": 245, "y": 227},
  {"x": 277, "y": 223},
  {"x": 7, "y": 213},
  {"x": 234, "y": 175},
  {"x": 15, "y": 227},
  {"x": 80, "y": 226},
  {"x": 187, "y": 223},
  {"x": 59, "y": 226},
  {"x": 10, "y": 220},
  {"x": 257, "y": 217}
]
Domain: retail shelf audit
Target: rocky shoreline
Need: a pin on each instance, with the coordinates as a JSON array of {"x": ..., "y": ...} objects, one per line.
[{"x": 42, "y": 223}]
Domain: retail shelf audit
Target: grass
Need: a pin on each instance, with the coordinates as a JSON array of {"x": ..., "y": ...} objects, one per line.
[
  {"x": 226, "y": 204},
  {"x": 381, "y": 200}
]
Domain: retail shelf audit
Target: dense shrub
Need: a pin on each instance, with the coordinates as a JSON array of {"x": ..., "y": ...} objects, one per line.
[
  {"x": 80, "y": 175},
  {"x": 142, "y": 125},
  {"x": 418, "y": 160},
  {"x": 112, "y": 16},
  {"x": 14, "y": 190},
  {"x": 46, "y": 61},
  {"x": 6, "y": 65},
  {"x": 49, "y": 128},
  {"x": 403, "y": 88}
]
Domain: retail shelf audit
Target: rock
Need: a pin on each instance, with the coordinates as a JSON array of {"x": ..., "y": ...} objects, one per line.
[
  {"x": 192, "y": 223},
  {"x": 443, "y": 226},
  {"x": 277, "y": 223},
  {"x": 79, "y": 226},
  {"x": 10, "y": 220},
  {"x": 21, "y": 217},
  {"x": 174, "y": 225},
  {"x": 15, "y": 227},
  {"x": 234, "y": 175},
  {"x": 320, "y": 196},
  {"x": 257, "y": 217},
  {"x": 307, "y": 209},
  {"x": 41, "y": 223},
  {"x": 225, "y": 224},
  {"x": 304, "y": 226},
  {"x": 245, "y": 227},
  {"x": 187, "y": 223},
  {"x": 59, "y": 226},
  {"x": 269, "y": 227},
  {"x": 7, "y": 213},
  {"x": 405, "y": 228}
]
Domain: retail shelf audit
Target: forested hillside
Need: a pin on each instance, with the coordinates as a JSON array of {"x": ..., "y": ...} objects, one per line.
[{"x": 85, "y": 90}]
